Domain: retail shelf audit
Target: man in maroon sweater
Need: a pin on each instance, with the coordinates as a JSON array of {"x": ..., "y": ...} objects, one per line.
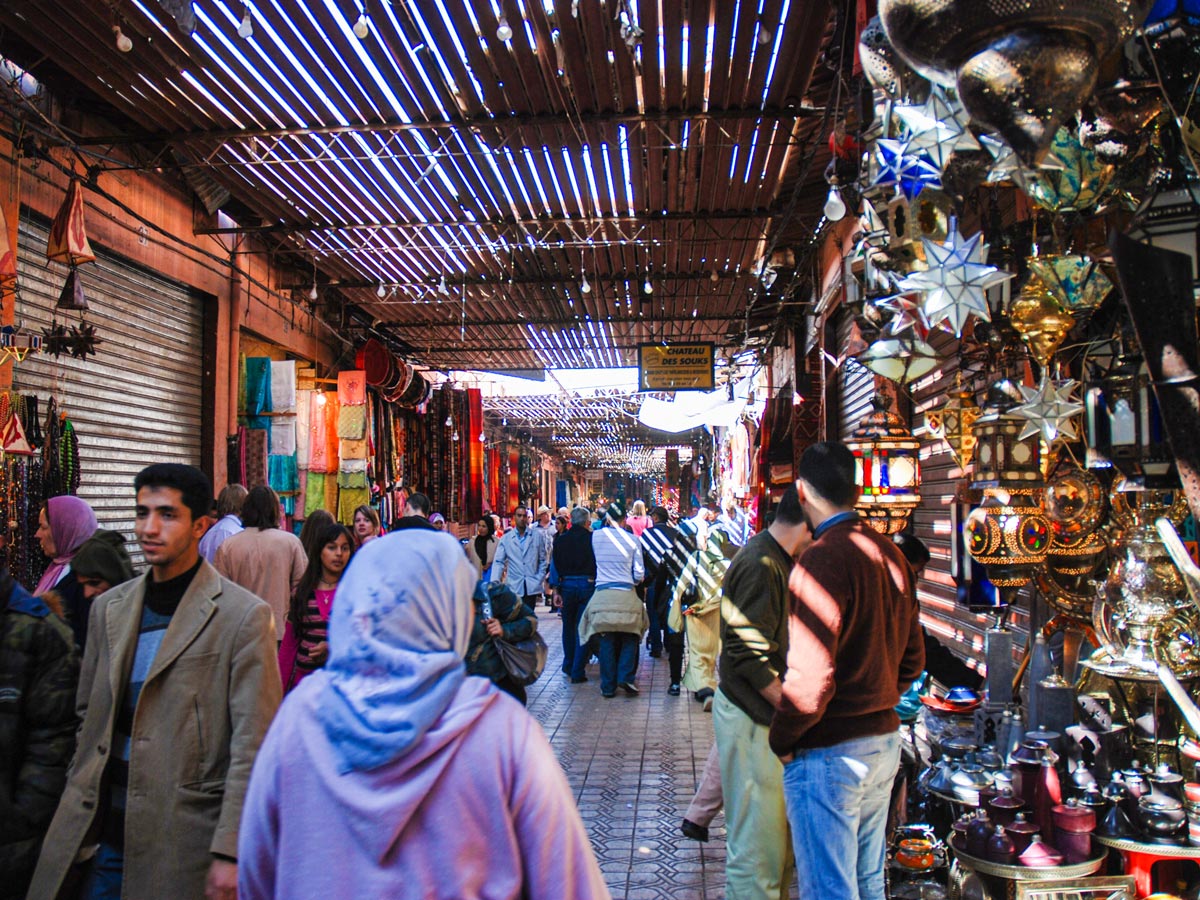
[{"x": 854, "y": 645}]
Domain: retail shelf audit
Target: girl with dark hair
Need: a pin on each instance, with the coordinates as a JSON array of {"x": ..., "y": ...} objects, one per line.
[
  {"x": 305, "y": 647},
  {"x": 481, "y": 549},
  {"x": 312, "y": 529}
]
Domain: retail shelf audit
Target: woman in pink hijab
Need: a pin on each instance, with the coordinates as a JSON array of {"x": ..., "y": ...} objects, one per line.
[{"x": 63, "y": 525}]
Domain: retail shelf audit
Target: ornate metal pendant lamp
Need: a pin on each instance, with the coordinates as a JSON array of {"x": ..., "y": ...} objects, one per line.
[{"x": 888, "y": 468}]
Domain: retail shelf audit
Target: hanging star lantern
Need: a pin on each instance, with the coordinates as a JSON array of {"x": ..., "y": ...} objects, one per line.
[
  {"x": 938, "y": 127},
  {"x": 899, "y": 165},
  {"x": 83, "y": 341},
  {"x": 1049, "y": 410},
  {"x": 56, "y": 340},
  {"x": 1005, "y": 165},
  {"x": 956, "y": 283},
  {"x": 906, "y": 314}
]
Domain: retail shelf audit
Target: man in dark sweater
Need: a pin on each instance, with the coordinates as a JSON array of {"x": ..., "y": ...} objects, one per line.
[
  {"x": 657, "y": 542},
  {"x": 854, "y": 645},
  {"x": 575, "y": 579},
  {"x": 754, "y": 642}
]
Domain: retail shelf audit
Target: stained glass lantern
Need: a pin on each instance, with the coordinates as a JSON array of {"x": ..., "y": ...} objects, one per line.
[
  {"x": 887, "y": 468},
  {"x": 1010, "y": 535},
  {"x": 1002, "y": 457},
  {"x": 1124, "y": 428},
  {"x": 953, "y": 420}
]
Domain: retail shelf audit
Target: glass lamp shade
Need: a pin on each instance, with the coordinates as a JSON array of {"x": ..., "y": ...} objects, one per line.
[
  {"x": 1002, "y": 458},
  {"x": 952, "y": 422},
  {"x": 1009, "y": 534},
  {"x": 902, "y": 360},
  {"x": 1124, "y": 428},
  {"x": 888, "y": 468}
]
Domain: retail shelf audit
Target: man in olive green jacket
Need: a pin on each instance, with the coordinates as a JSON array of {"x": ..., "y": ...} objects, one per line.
[{"x": 178, "y": 686}]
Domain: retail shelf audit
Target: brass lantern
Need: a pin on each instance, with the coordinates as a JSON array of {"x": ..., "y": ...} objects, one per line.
[
  {"x": 1010, "y": 535},
  {"x": 887, "y": 468},
  {"x": 952, "y": 422},
  {"x": 1002, "y": 457},
  {"x": 1125, "y": 429}
]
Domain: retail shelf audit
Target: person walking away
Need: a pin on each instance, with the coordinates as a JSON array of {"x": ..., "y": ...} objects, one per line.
[
  {"x": 615, "y": 612},
  {"x": 696, "y": 607},
  {"x": 674, "y": 564},
  {"x": 416, "y": 514},
  {"x": 544, "y": 526},
  {"x": 754, "y": 644},
  {"x": 734, "y": 522},
  {"x": 657, "y": 542},
  {"x": 481, "y": 549},
  {"x": 179, "y": 683},
  {"x": 64, "y": 523},
  {"x": 39, "y": 671},
  {"x": 229, "y": 520},
  {"x": 499, "y": 615},
  {"x": 854, "y": 644},
  {"x": 638, "y": 521},
  {"x": 521, "y": 560},
  {"x": 366, "y": 523},
  {"x": 575, "y": 569},
  {"x": 264, "y": 559},
  {"x": 102, "y": 563},
  {"x": 393, "y": 731},
  {"x": 305, "y": 647}
]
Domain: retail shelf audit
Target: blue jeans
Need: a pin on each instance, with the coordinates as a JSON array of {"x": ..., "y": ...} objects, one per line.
[
  {"x": 618, "y": 659},
  {"x": 576, "y": 591},
  {"x": 104, "y": 876},
  {"x": 837, "y": 804},
  {"x": 656, "y": 627}
]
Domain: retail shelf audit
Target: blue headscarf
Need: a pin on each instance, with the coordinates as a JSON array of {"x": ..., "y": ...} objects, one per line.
[{"x": 401, "y": 623}]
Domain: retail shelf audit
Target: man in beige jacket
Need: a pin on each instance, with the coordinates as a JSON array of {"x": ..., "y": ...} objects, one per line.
[
  {"x": 178, "y": 685},
  {"x": 264, "y": 559}
]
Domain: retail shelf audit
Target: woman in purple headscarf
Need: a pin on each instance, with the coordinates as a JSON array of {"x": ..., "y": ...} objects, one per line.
[{"x": 63, "y": 525}]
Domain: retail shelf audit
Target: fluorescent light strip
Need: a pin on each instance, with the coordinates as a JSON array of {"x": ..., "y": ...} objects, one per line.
[
  {"x": 557, "y": 187},
  {"x": 783, "y": 14},
  {"x": 750, "y": 153},
  {"x": 410, "y": 49},
  {"x": 187, "y": 76},
  {"x": 591, "y": 177},
  {"x": 301, "y": 68},
  {"x": 623, "y": 143},
  {"x": 608, "y": 175},
  {"x": 516, "y": 175},
  {"x": 529, "y": 161},
  {"x": 415, "y": 12},
  {"x": 709, "y": 38},
  {"x": 687, "y": 133},
  {"x": 296, "y": 118},
  {"x": 566, "y": 156},
  {"x": 733, "y": 160}
]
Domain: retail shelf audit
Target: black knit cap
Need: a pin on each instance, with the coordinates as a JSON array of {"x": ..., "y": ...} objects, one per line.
[{"x": 104, "y": 556}]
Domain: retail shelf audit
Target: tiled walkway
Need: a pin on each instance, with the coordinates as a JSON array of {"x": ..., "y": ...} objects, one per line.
[{"x": 634, "y": 763}]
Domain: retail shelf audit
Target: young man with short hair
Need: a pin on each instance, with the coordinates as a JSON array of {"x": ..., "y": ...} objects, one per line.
[{"x": 178, "y": 686}]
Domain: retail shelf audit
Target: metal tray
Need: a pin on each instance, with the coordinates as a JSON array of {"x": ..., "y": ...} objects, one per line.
[
  {"x": 1174, "y": 851},
  {"x": 1026, "y": 873}
]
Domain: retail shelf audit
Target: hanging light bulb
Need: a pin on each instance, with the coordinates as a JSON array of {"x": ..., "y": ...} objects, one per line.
[
  {"x": 647, "y": 288},
  {"x": 584, "y": 286},
  {"x": 764, "y": 35},
  {"x": 714, "y": 277},
  {"x": 483, "y": 437},
  {"x": 835, "y": 207},
  {"x": 312, "y": 294},
  {"x": 443, "y": 289},
  {"x": 454, "y": 437},
  {"x": 363, "y": 26},
  {"x": 246, "y": 28},
  {"x": 503, "y": 32},
  {"x": 124, "y": 44},
  {"x": 381, "y": 291}
]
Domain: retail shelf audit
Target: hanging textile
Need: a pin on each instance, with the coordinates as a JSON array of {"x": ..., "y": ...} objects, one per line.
[
  {"x": 283, "y": 437},
  {"x": 284, "y": 480},
  {"x": 352, "y": 388},
  {"x": 471, "y": 505},
  {"x": 258, "y": 385},
  {"x": 256, "y": 457},
  {"x": 314, "y": 493},
  {"x": 283, "y": 385},
  {"x": 318, "y": 436},
  {"x": 349, "y": 500},
  {"x": 352, "y": 423},
  {"x": 354, "y": 450},
  {"x": 303, "y": 424},
  {"x": 331, "y": 494}
]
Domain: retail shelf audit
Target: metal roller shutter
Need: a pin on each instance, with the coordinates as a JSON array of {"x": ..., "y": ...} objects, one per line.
[
  {"x": 855, "y": 385},
  {"x": 138, "y": 401},
  {"x": 954, "y": 625}
]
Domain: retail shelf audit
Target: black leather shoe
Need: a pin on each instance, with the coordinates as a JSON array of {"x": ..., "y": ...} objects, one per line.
[
  {"x": 630, "y": 688},
  {"x": 656, "y": 654},
  {"x": 673, "y": 690},
  {"x": 696, "y": 832},
  {"x": 579, "y": 680}
]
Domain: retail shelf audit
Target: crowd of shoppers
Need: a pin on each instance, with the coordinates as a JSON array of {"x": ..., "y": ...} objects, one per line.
[{"x": 165, "y": 729}]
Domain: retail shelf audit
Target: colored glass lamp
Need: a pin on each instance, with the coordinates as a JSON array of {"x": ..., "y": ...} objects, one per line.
[
  {"x": 1010, "y": 535},
  {"x": 1003, "y": 458},
  {"x": 1124, "y": 428},
  {"x": 952, "y": 422},
  {"x": 888, "y": 468}
]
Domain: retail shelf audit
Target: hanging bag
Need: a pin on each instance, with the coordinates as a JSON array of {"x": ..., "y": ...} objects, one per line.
[{"x": 523, "y": 660}]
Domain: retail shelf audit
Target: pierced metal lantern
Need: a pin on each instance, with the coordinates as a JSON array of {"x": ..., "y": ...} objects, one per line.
[
  {"x": 1124, "y": 428},
  {"x": 952, "y": 422},
  {"x": 1003, "y": 459},
  {"x": 888, "y": 468},
  {"x": 1170, "y": 219},
  {"x": 1010, "y": 535}
]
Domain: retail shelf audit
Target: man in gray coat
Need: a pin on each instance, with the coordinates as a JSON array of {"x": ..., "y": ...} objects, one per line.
[{"x": 178, "y": 686}]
